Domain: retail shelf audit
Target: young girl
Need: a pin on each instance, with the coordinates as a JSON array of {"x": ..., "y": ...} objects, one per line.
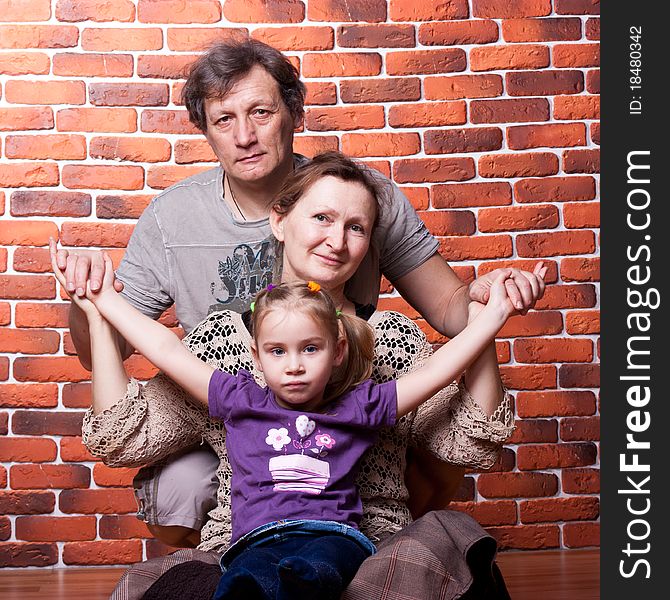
[{"x": 295, "y": 445}]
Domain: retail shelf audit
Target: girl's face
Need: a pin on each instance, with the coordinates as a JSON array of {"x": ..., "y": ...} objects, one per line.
[
  {"x": 296, "y": 357},
  {"x": 327, "y": 232}
]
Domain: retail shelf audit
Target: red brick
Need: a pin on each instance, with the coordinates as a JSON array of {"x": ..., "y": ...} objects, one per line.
[
  {"x": 480, "y": 139},
  {"x": 24, "y": 63},
  {"x": 262, "y": 11},
  {"x": 561, "y": 403},
  {"x": 72, "y": 450},
  {"x": 106, "y": 501},
  {"x": 95, "y": 10},
  {"x": 437, "y": 170},
  {"x": 534, "y": 431},
  {"x": 55, "y": 529},
  {"x": 547, "y": 350},
  {"x": 526, "y": 537},
  {"x": 542, "y": 30},
  {"x": 27, "y": 232},
  {"x": 555, "y": 189},
  {"x": 122, "y": 552},
  {"x": 454, "y": 87},
  {"x": 567, "y": 296},
  {"x": 129, "y": 94},
  {"x": 581, "y": 161},
  {"x": 556, "y": 243},
  {"x": 535, "y": 164},
  {"x": 555, "y": 135},
  {"x": 361, "y": 36},
  {"x": 517, "y": 218},
  {"x": 579, "y": 535},
  {"x": 45, "y": 92},
  {"x": 121, "y": 206},
  {"x": 5, "y": 523},
  {"x": 46, "y": 146},
  {"x": 5, "y": 308},
  {"x": 136, "y": 149},
  {"x": 341, "y": 64},
  {"x": 96, "y": 234},
  {"x": 105, "y": 476},
  {"x": 342, "y": 118},
  {"x": 441, "y": 223},
  {"x": 33, "y": 314},
  {"x": 521, "y": 56},
  {"x": 559, "y": 509},
  {"x": 4, "y": 419},
  {"x": 17, "y": 449},
  {"x": 93, "y": 65},
  {"x": 504, "y": 463},
  {"x": 578, "y": 7},
  {"x": 380, "y": 90},
  {"x": 50, "y": 203},
  {"x": 380, "y": 144},
  {"x": 26, "y": 503},
  {"x": 463, "y": 195},
  {"x": 529, "y": 377},
  {"x": 311, "y": 145},
  {"x": 175, "y": 11},
  {"x": 57, "y": 368},
  {"x": 509, "y": 111},
  {"x": 198, "y": 39},
  {"x": 16, "y": 395},
  {"x": 592, "y": 29},
  {"x": 581, "y": 481},
  {"x": 580, "y": 429},
  {"x": 20, "y": 287},
  {"x": 576, "y": 55},
  {"x": 29, "y": 477},
  {"x": 458, "y": 33},
  {"x": 582, "y": 215},
  {"x": 341, "y": 10},
  {"x": 544, "y": 83},
  {"x": 320, "y": 92},
  {"x": 164, "y": 176},
  {"x": 422, "y": 62},
  {"x": 38, "y": 36},
  {"x": 29, "y": 341},
  {"x": 475, "y": 248},
  {"x": 164, "y": 67},
  {"x": 36, "y": 422},
  {"x": 19, "y": 119},
  {"x": 418, "y": 198},
  {"x": 112, "y": 120},
  {"x": 103, "y": 177},
  {"x": 427, "y": 114},
  {"x": 110, "y": 39},
  {"x": 501, "y": 9},
  {"x": 500, "y": 512},
  {"x": 517, "y": 485},
  {"x": 428, "y": 10},
  {"x": 555, "y": 456},
  {"x": 575, "y": 108},
  {"x": 15, "y": 554},
  {"x": 580, "y": 269},
  {"x": 193, "y": 151},
  {"x": 583, "y": 322},
  {"x": 122, "y": 527},
  {"x": 77, "y": 395},
  {"x": 38, "y": 10},
  {"x": 532, "y": 324},
  {"x": 140, "y": 368},
  {"x": 28, "y": 174},
  {"x": 167, "y": 121}
]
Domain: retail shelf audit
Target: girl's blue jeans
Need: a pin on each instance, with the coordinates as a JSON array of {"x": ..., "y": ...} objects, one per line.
[{"x": 336, "y": 550}]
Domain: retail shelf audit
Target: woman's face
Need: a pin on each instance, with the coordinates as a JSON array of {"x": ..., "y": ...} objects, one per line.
[{"x": 327, "y": 232}]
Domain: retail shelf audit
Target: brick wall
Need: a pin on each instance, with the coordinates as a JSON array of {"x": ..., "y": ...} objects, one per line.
[{"x": 484, "y": 111}]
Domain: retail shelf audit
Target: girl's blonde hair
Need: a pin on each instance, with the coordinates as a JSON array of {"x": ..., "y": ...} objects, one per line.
[{"x": 317, "y": 303}]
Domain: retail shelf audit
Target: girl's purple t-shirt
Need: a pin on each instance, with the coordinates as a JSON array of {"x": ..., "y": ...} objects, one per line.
[{"x": 289, "y": 464}]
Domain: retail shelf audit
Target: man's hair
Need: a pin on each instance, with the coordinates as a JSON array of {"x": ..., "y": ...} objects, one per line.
[{"x": 225, "y": 63}]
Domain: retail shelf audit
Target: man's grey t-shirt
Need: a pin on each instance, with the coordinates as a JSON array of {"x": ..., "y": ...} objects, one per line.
[{"x": 188, "y": 249}]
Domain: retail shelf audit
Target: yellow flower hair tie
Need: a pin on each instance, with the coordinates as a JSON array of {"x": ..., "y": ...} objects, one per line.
[
  {"x": 313, "y": 286},
  {"x": 252, "y": 306}
]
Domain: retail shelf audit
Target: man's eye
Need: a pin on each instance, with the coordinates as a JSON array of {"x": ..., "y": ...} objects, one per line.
[{"x": 357, "y": 229}]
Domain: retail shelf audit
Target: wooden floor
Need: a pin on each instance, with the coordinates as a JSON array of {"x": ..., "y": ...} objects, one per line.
[{"x": 549, "y": 575}]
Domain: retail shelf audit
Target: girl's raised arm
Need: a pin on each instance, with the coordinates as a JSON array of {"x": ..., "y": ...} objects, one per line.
[{"x": 152, "y": 339}]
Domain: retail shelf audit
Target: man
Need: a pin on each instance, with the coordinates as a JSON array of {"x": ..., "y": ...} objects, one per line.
[{"x": 205, "y": 243}]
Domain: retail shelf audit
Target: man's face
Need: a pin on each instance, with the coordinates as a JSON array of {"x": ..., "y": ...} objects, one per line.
[{"x": 250, "y": 129}]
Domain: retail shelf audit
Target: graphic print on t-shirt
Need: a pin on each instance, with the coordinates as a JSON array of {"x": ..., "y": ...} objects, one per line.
[
  {"x": 300, "y": 472},
  {"x": 242, "y": 275}
]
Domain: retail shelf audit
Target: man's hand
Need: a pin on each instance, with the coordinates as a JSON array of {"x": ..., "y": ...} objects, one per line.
[
  {"x": 82, "y": 269},
  {"x": 523, "y": 288}
]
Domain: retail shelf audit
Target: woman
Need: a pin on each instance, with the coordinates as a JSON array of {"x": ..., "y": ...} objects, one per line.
[{"x": 323, "y": 218}]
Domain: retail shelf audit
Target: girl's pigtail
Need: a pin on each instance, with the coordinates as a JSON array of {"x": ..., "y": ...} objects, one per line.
[{"x": 357, "y": 364}]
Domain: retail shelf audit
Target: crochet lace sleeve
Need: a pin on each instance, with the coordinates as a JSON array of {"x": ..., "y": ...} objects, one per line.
[{"x": 149, "y": 423}]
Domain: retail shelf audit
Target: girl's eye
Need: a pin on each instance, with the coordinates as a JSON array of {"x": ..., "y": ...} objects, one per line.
[
  {"x": 310, "y": 349},
  {"x": 277, "y": 352}
]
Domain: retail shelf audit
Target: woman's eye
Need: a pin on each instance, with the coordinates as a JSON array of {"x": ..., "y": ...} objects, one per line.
[{"x": 321, "y": 218}]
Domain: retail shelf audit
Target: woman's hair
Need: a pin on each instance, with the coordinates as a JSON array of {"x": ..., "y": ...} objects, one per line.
[
  {"x": 357, "y": 364},
  {"x": 328, "y": 164},
  {"x": 225, "y": 63}
]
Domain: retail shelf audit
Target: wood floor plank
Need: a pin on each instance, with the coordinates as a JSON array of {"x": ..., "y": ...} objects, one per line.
[{"x": 550, "y": 575}]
